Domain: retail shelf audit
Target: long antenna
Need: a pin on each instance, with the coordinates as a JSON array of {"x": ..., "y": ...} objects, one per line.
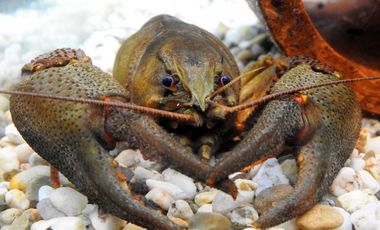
[
  {"x": 290, "y": 91},
  {"x": 125, "y": 105}
]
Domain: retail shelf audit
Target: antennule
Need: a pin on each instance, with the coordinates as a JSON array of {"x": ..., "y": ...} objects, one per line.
[
  {"x": 125, "y": 105},
  {"x": 236, "y": 79}
]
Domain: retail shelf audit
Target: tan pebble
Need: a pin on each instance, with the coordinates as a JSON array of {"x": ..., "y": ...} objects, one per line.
[
  {"x": 373, "y": 167},
  {"x": 209, "y": 221},
  {"x": 33, "y": 214},
  {"x": 7, "y": 176},
  {"x": 369, "y": 155},
  {"x": 320, "y": 217},
  {"x": 362, "y": 140},
  {"x": 244, "y": 55},
  {"x": 6, "y": 142},
  {"x": 205, "y": 197},
  {"x": 269, "y": 197},
  {"x": 131, "y": 226},
  {"x": 160, "y": 197},
  {"x": 7, "y": 216},
  {"x": 21, "y": 222},
  {"x": 179, "y": 221},
  {"x": 245, "y": 185},
  {"x": 8, "y": 116}
]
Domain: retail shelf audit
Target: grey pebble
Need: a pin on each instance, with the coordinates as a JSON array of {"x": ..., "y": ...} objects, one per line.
[
  {"x": 35, "y": 160},
  {"x": 244, "y": 216},
  {"x": 47, "y": 210}
]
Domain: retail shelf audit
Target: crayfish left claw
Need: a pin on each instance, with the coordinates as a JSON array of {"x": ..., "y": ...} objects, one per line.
[{"x": 323, "y": 124}]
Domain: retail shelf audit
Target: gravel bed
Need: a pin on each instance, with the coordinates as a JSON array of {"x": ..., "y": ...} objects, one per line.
[{"x": 28, "y": 200}]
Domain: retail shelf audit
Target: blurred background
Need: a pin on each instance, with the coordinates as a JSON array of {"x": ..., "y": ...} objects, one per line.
[{"x": 31, "y": 27}]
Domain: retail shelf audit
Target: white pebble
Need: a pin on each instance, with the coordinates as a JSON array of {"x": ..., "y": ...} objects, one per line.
[
  {"x": 205, "y": 208},
  {"x": 129, "y": 158},
  {"x": 345, "y": 181},
  {"x": 105, "y": 221},
  {"x": 245, "y": 196},
  {"x": 347, "y": 225},
  {"x": 12, "y": 133},
  {"x": 232, "y": 36},
  {"x": 45, "y": 192},
  {"x": 367, "y": 217},
  {"x": 205, "y": 197},
  {"x": 5, "y": 184},
  {"x": 3, "y": 191},
  {"x": 16, "y": 199},
  {"x": 366, "y": 181},
  {"x": 8, "y": 215},
  {"x": 23, "y": 152},
  {"x": 90, "y": 208},
  {"x": 160, "y": 197},
  {"x": 8, "y": 160},
  {"x": 357, "y": 163},
  {"x": 269, "y": 174},
  {"x": 223, "y": 203},
  {"x": 180, "y": 209},
  {"x": 68, "y": 201},
  {"x": 353, "y": 201},
  {"x": 184, "y": 182},
  {"x": 173, "y": 190},
  {"x": 142, "y": 174},
  {"x": 373, "y": 144},
  {"x": 61, "y": 223},
  {"x": 133, "y": 158},
  {"x": 30, "y": 180}
]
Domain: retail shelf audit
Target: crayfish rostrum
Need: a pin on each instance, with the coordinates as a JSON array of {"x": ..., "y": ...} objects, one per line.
[{"x": 187, "y": 103}]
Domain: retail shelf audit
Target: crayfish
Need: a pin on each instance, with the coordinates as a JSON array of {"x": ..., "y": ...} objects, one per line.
[{"x": 176, "y": 94}]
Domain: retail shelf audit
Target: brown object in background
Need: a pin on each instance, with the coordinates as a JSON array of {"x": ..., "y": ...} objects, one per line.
[{"x": 344, "y": 34}]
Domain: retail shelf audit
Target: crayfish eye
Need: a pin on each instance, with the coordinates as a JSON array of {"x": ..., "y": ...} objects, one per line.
[
  {"x": 167, "y": 81},
  {"x": 224, "y": 80}
]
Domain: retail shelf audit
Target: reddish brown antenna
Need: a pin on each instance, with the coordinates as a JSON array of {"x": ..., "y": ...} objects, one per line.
[
  {"x": 134, "y": 107},
  {"x": 290, "y": 91}
]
